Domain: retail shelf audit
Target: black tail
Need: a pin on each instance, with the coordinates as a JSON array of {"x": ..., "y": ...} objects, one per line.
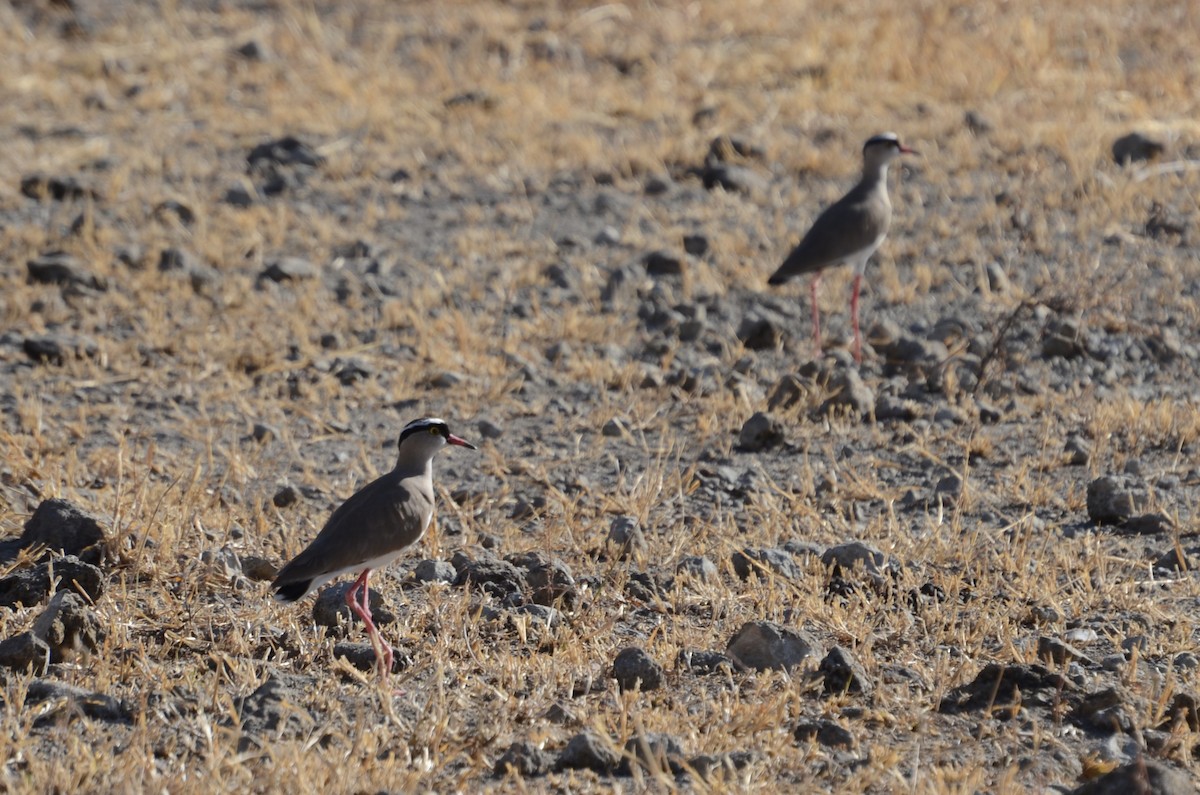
[
  {"x": 291, "y": 591},
  {"x": 776, "y": 279}
]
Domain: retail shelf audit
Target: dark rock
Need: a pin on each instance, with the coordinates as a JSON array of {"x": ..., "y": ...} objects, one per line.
[
  {"x": 70, "y": 702},
  {"x": 634, "y": 669},
  {"x": 663, "y": 263},
  {"x": 647, "y": 587},
  {"x": 1135, "y": 147},
  {"x": 55, "y": 349},
  {"x": 489, "y": 430},
  {"x": 844, "y": 674},
  {"x": 761, "y": 432},
  {"x": 288, "y": 269},
  {"x": 703, "y": 663},
  {"x": 552, "y": 585},
  {"x": 68, "y": 625},
  {"x": 498, "y": 578},
  {"x": 1147, "y": 524},
  {"x": 39, "y": 186},
  {"x": 1063, "y": 339},
  {"x": 710, "y": 766},
  {"x": 30, "y": 586},
  {"x": 653, "y": 752},
  {"x": 434, "y": 571},
  {"x": 589, "y": 751},
  {"x": 286, "y": 496},
  {"x": 855, "y": 553},
  {"x": 765, "y": 645},
  {"x": 252, "y": 50},
  {"x": 285, "y": 151},
  {"x": 760, "y": 562},
  {"x": 1000, "y": 686},
  {"x": 1112, "y": 499},
  {"x": 524, "y": 759},
  {"x": 362, "y": 656},
  {"x": 24, "y": 651},
  {"x": 696, "y": 244},
  {"x": 1145, "y": 776},
  {"x": 759, "y": 331},
  {"x": 330, "y": 608},
  {"x": 825, "y": 732},
  {"x": 59, "y": 267},
  {"x": 238, "y": 196}
]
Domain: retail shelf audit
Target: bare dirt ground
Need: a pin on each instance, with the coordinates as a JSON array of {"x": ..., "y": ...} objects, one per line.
[{"x": 552, "y": 224}]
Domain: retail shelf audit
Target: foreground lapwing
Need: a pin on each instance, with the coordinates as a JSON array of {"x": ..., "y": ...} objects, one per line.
[
  {"x": 848, "y": 231},
  {"x": 373, "y": 527}
]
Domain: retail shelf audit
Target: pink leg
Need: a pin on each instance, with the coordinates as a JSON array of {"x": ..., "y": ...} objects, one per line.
[
  {"x": 363, "y": 611},
  {"x": 854, "y": 317},
  {"x": 816, "y": 314}
]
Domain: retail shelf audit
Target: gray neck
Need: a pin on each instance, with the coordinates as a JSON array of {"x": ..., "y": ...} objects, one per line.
[{"x": 411, "y": 468}]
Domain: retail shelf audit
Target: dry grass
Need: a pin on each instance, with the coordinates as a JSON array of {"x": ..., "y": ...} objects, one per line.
[{"x": 150, "y": 433}]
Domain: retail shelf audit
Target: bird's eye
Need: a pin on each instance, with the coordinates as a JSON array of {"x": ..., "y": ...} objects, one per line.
[{"x": 434, "y": 430}]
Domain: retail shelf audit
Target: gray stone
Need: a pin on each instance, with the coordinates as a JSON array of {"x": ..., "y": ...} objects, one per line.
[
  {"x": 330, "y": 608},
  {"x": 849, "y": 391},
  {"x": 24, "y": 651},
  {"x": 697, "y": 567},
  {"x": 498, "y": 578},
  {"x": 523, "y": 759},
  {"x": 1059, "y": 652},
  {"x": 1112, "y": 499},
  {"x": 274, "y": 709},
  {"x": 68, "y": 625},
  {"x": 654, "y": 752},
  {"x": 589, "y": 751},
  {"x": 64, "y": 527},
  {"x": 825, "y": 732},
  {"x": 1063, "y": 339},
  {"x": 761, "y": 432},
  {"x": 765, "y": 645},
  {"x": 362, "y": 656},
  {"x": 703, "y": 663},
  {"x": 856, "y": 553},
  {"x": 734, "y": 179},
  {"x": 626, "y": 535},
  {"x": 634, "y": 669},
  {"x": 842, "y": 673},
  {"x": 434, "y": 571},
  {"x": 30, "y": 586},
  {"x": 760, "y": 332},
  {"x": 1078, "y": 450},
  {"x": 767, "y": 560}
]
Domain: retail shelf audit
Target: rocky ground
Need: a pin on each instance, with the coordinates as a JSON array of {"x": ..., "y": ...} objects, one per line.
[{"x": 243, "y": 244}]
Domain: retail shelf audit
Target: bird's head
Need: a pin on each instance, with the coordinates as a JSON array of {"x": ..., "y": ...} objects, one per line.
[
  {"x": 426, "y": 436},
  {"x": 879, "y": 150}
]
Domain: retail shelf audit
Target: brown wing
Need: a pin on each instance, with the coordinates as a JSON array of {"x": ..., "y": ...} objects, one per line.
[
  {"x": 843, "y": 230},
  {"x": 384, "y": 516}
]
